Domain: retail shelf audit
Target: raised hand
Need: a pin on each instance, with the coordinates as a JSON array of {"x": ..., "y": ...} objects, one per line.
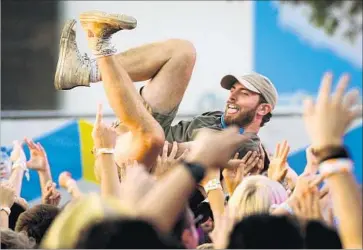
[
  {"x": 233, "y": 175},
  {"x": 306, "y": 205},
  {"x": 327, "y": 120},
  {"x": 253, "y": 163},
  {"x": 278, "y": 167},
  {"x": 104, "y": 136},
  {"x": 311, "y": 162},
  {"x": 306, "y": 182},
  {"x": 261, "y": 161},
  {"x": 165, "y": 161},
  {"x": 51, "y": 195},
  {"x": 18, "y": 153},
  {"x": 38, "y": 157}
]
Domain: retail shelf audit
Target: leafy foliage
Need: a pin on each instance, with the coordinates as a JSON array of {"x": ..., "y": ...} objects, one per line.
[{"x": 331, "y": 14}]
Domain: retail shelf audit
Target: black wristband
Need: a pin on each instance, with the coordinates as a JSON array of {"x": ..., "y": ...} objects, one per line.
[
  {"x": 196, "y": 170},
  {"x": 331, "y": 153}
]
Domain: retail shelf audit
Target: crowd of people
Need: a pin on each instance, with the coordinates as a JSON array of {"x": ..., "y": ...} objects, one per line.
[{"x": 206, "y": 183}]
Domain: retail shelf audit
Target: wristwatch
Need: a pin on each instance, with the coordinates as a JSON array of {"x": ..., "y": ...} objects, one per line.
[{"x": 6, "y": 209}]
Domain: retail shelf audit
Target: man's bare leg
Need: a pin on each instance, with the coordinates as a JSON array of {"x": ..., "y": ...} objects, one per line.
[
  {"x": 123, "y": 97},
  {"x": 169, "y": 64}
]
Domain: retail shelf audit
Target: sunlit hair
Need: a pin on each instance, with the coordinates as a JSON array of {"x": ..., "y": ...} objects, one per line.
[
  {"x": 255, "y": 195},
  {"x": 15, "y": 240},
  {"x": 78, "y": 215}
]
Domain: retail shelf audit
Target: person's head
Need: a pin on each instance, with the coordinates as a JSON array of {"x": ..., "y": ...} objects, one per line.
[
  {"x": 265, "y": 231},
  {"x": 15, "y": 240},
  {"x": 78, "y": 215},
  {"x": 255, "y": 195},
  {"x": 251, "y": 100},
  {"x": 204, "y": 215},
  {"x": 15, "y": 211},
  {"x": 113, "y": 233},
  {"x": 185, "y": 230},
  {"x": 36, "y": 220},
  {"x": 320, "y": 236}
]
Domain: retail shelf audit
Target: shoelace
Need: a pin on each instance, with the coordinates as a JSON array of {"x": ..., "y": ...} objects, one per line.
[{"x": 84, "y": 59}]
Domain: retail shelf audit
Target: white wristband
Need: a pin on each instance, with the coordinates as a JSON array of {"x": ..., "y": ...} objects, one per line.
[
  {"x": 212, "y": 185},
  {"x": 21, "y": 164},
  {"x": 6, "y": 209},
  {"x": 284, "y": 206},
  {"x": 335, "y": 166},
  {"x": 104, "y": 151}
]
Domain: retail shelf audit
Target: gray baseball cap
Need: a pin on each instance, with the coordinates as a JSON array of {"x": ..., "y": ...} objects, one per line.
[{"x": 255, "y": 82}]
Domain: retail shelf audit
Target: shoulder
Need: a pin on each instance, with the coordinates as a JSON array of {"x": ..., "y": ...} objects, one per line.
[{"x": 212, "y": 114}]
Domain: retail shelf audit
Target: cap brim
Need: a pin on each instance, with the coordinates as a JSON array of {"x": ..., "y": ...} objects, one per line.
[{"x": 228, "y": 81}]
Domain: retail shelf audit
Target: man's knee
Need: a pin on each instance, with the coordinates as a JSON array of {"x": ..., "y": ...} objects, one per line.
[
  {"x": 155, "y": 138},
  {"x": 183, "y": 49}
]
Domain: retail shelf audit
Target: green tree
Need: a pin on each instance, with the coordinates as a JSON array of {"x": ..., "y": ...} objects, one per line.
[{"x": 330, "y": 14}]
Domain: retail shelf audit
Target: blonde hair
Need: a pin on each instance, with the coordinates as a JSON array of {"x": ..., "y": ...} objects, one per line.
[
  {"x": 68, "y": 225},
  {"x": 256, "y": 194},
  {"x": 206, "y": 246}
]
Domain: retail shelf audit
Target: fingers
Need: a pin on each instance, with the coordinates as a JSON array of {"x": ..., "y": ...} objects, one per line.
[
  {"x": 247, "y": 156},
  {"x": 164, "y": 155},
  {"x": 308, "y": 107},
  {"x": 158, "y": 159},
  {"x": 262, "y": 151},
  {"x": 340, "y": 89},
  {"x": 330, "y": 217},
  {"x": 252, "y": 159},
  {"x": 351, "y": 98},
  {"x": 183, "y": 156},
  {"x": 240, "y": 172},
  {"x": 236, "y": 156},
  {"x": 323, "y": 191},
  {"x": 356, "y": 113},
  {"x": 40, "y": 147},
  {"x": 31, "y": 145},
  {"x": 283, "y": 174},
  {"x": 174, "y": 150},
  {"x": 99, "y": 114},
  {"x": 285, "y": 151},
  {"x": 277, "y": 150},
  {"x": 316, "y": 180},
  {"x": 325, "y": 88},
  {"x": 308, "y": 203},
  {"x": 316, "y": 204}
]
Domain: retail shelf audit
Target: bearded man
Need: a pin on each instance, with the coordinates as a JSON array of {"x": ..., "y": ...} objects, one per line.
[{"x": 168, "y": 65}]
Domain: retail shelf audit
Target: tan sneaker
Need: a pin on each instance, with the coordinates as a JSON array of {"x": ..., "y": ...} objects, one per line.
[
  {"x": 102, "y": 25},
  {"x": 73, "y": 69}
]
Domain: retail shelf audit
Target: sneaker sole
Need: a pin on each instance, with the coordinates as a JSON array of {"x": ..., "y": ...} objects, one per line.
[
  {"x": 67, "y": 29},
  {"x": 122, "y": 21}
]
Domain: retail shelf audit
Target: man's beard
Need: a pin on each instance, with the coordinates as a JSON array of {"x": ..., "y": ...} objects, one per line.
[{"x": 242, "y": 119}]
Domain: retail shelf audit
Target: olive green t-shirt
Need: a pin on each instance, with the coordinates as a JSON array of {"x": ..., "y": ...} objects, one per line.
[{"x": 185, "y": 131}]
